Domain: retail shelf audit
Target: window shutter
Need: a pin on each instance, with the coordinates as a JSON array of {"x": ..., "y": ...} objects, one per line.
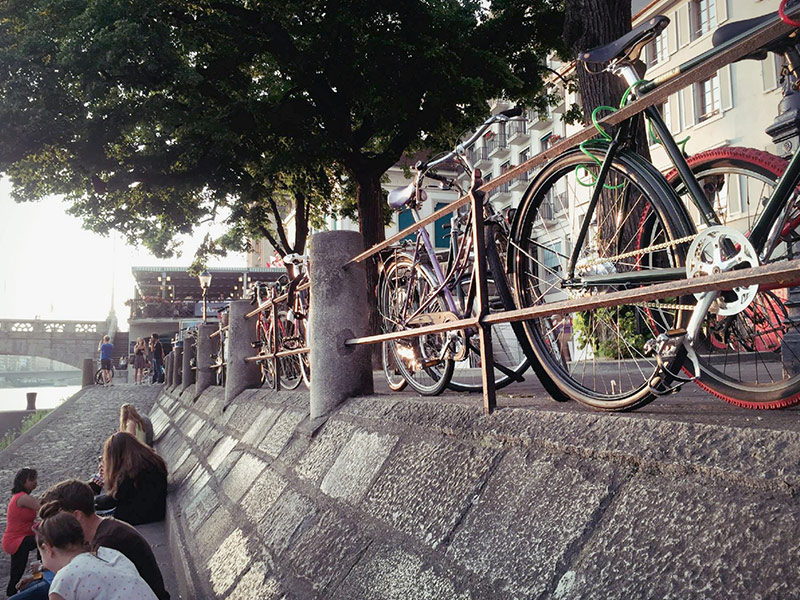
[
  {"x": 722, "y": 11},
  {"x": 674, "y": 113},
  {"x": 769, "y": 77},
  {"x": 687, "y": 101},
  {"x": 682, "y": 25},
  {"x": 672, "y": 33},
  {"x": 726, "y": 87}
]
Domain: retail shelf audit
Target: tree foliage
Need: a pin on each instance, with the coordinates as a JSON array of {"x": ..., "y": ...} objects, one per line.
[{"x": 152, "y": 116}]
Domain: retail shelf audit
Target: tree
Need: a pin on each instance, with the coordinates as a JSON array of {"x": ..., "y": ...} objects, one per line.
[{"x": 152, "y": 115}]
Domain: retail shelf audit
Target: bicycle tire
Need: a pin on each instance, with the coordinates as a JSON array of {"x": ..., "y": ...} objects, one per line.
[
  {"x": 288, "y": 366},
  {"x": 605, "y": 368},
  {"x": 425, "y": 372},
  {"x": 265, "y": 348},
  {"x": 510, "y": 347},
  {"x": 762, "y": 384}
]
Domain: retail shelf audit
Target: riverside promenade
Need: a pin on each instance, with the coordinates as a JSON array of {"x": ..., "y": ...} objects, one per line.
[{"x": 67, "y": 444}]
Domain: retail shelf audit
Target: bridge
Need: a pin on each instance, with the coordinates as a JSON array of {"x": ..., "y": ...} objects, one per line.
[{"x": 68, "y": 342}]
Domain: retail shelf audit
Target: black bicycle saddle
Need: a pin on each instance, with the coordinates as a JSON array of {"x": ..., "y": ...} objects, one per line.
[{"x": 628, "y": 46}]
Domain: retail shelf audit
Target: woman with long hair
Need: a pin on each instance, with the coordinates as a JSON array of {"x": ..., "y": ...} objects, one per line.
[
  {"x": 139, "y": 361},
  {"x": 137, "y": 425},
  {"x": 79, "y": 574},
  {"x": 18, "y": 539},
  {"x": 136, "y": 478}
]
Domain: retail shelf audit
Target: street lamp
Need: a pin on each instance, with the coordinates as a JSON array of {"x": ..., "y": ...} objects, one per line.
[{"x": 205, "y": 283}]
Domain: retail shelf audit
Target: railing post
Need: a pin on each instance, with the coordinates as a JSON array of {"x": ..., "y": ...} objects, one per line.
[
  {"x": 188, "y": 352},
  {"x": 339, "y": 311},
  {"x": 177, "y": 364},
  {"x": 240, "y": 374},
  {"x": 88, "y": 372},
  {"x": 204, "y": 378},
  {"x": 168, "y": 360}
]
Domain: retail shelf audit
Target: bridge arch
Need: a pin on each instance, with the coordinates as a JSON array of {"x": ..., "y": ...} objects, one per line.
[{"x": 68, "y": 342}]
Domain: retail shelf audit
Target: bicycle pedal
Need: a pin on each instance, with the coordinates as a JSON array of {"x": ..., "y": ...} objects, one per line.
[{"x": 258, "y": 344}]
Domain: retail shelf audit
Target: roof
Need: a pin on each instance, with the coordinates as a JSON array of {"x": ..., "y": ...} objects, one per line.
[{"x": 226, "y": 282}]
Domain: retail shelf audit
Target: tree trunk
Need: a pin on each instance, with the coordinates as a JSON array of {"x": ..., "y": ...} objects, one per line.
[
  {"x": 369, "y": 196},
  {"x": 588, "y": 24}
]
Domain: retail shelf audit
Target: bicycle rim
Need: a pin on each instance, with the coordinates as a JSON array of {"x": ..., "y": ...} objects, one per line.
[
  {"x": 288, "y": 366},
  {"x": 265, "y": 348},
  {"x": 742, "y": 356},
  {"x": 421, "y": 359},
  {"x": 596, "y": 356}
]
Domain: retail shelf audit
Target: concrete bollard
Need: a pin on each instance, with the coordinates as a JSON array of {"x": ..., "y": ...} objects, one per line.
[
  {"x": 338, "y": 372},
  {"x": 188, "y": 353},
  {"x": 88, "y": 372},
  {"x": 168, "y": 370},
  {"x": 31, "y": 398},
  {"x": 240, "y": 374},
  {"x": 177, "y": 363},
  {"x": 205, "y": 348}
]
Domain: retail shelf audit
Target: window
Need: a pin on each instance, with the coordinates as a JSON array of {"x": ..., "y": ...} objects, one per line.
[
  {"x": 707, "y": 99},
  {"x": 546, "y": 141},
  {"x": 656, "y": 51},
  {"x": 441, "y": 228},
  {"x": 523, "y": 156},
  {"x": 702, "y": 17},
  {"x": 551, "y": 261}
]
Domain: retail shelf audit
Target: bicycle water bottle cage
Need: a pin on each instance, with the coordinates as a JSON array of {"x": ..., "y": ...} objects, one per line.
[
  {"x": 627, "y": 48},
  {"x": 403, "y": 197},
  {"x": 731, "y": 30}
]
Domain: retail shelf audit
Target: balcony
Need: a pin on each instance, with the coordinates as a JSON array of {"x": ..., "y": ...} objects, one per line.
[
  {"x": 540, "y": 122},
  {"x": 501, "y": 193},
  {"x": 517, "y": 132},
  {"x": 479, "y": 157},
  {"x": 520, "y": 184},
  {"x": 498, "y": 146},
  {"x": 158, "y": 308}
]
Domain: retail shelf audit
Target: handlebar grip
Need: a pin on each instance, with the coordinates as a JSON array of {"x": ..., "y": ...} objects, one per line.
[{"x": 512, "y": 112}]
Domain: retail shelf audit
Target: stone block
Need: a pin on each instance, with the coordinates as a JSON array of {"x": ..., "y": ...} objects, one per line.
[
  {"x": 281, "y": 431},
  {"x": 246, "y": 470},
  {"x": 326, "y": 548},
  {"x": 395, "y": 574},
  {"x": 256, "y": 583},
  {"x": 356, "y": 466},
  {"x": 230, "y": 461},
  {"x": 321, "y": 454},
  {"x": 690, "y": 538},
  {"x": 200, "y": 508},
  {"x": 214, "y": 530},
  {"x": 516, "y": 540},
  {"x": 279, "y": 524},
  {"x": 262, "y": 495},
  {"x": 426, "y": 487},
  {"x": 221, "y": 451},
  {"x": 261, "y": 425},
  {"x": 229, "y": 561}
]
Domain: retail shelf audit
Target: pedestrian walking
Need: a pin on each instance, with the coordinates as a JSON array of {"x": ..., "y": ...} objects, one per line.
[
  {"x": 106, "y": 349},
  {"x": 157, "y": 351}
]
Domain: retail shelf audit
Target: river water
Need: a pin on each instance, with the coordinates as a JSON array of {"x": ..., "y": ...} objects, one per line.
[{"x": 46, "y": 396}]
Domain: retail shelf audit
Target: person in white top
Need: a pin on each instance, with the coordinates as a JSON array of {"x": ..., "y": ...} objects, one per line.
[{"x": 79, "y": 574}]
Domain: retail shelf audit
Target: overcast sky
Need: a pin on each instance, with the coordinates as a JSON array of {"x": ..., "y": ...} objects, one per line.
[{"x": 53, "y": 268}]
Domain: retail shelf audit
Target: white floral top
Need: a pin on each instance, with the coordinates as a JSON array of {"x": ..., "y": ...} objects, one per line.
[{"x": 108, "y": 575}]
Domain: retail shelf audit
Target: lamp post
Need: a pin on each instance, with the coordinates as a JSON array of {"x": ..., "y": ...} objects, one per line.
[{"x": 205, "y": 283}]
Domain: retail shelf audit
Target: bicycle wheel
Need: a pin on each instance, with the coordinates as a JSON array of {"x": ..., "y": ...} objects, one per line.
[
  {"x": 597, "y": 356},
  {"x": 508, "y": 352},
  {"x": 742, "y": 356},
  {"x": 422, "y": 360},
  {"x": 265, "y": 348},
  {"x": 98, "y": 377},
  {"x": 288, "y": 366}
]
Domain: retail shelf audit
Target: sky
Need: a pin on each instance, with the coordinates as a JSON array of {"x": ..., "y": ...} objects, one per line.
[{"x": 52, "y": 268}]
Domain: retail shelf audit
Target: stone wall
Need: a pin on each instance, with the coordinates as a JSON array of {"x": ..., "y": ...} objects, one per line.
[{"x": 396, "y": 497}]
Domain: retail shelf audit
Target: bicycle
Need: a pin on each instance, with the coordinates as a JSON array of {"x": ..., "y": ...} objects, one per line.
[
  {"x": 289, "y": 367},
  {"x": 218, "y": 359},
  {"x": 98, "y": 377},
  {"x": 415, "y": 289},
  {"x": 600, "y": 218},
  {"x": 297, "y": 315}
]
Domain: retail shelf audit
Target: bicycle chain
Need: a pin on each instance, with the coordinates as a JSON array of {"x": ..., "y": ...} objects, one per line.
[{"x": 639, "y": 252}]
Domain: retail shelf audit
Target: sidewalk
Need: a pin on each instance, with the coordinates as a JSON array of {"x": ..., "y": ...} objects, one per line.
[{"x": 67, "y": 444}]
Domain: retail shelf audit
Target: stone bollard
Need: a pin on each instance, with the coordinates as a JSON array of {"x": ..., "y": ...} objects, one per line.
[
  {"x": 338, "y": 372},
  {"x": 240, "y": 374},
  {"x": 177, "y": 363},
  {"x": 168, "y": 370},
  {"x": 205, "y": 348},
  {"x": 31, "y": 397},
  {"x": 188, "y": 353},
  {"x": 88, "y": 372}
]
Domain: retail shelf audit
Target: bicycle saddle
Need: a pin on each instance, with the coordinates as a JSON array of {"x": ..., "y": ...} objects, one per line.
[
  {"x": 628, "y": 46},
  {"x": 730, "y": 30},
  {"x": 401, "y": 197}
]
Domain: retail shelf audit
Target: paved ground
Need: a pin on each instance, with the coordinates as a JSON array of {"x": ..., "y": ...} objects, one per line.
[{"x": 67, "y": 444}]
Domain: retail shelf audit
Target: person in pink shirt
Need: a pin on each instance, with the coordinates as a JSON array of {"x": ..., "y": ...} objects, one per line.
[{"x": 18, "y": 539}]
